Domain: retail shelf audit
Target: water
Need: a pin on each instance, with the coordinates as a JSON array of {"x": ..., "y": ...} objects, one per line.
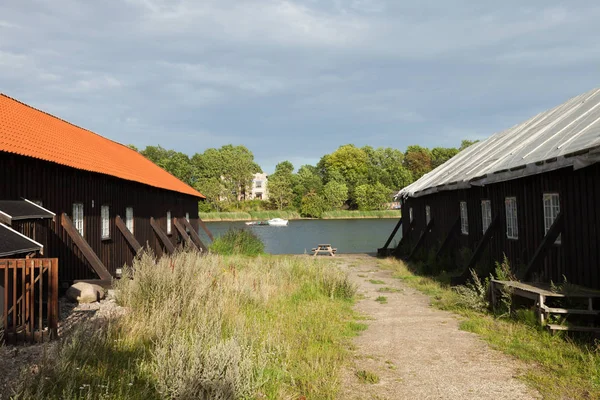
[{"x": 300, "y": 236}]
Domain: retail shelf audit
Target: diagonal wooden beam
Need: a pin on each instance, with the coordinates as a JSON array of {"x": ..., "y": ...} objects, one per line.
[
  {"x": 162, "y": 236},
  {"x": 396, "y": 252},
  {"x": 421, "y": 239},
  {"x": 194, "y": 235},
  {"x": 131, "y": 240},
  {"x": 181, "y": 229},
  {"x": 208, "y": 232},
  {"x": 448, "y": 238},
  {"x": 85, "y": 248},
  {"x": 550, "y": 238},
  {"x": 398, "y": 225}
]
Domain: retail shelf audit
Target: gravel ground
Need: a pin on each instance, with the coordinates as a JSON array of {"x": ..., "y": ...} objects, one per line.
[
  {"x": 418, "y": 352},
  {"x": 17, "y": 359}
]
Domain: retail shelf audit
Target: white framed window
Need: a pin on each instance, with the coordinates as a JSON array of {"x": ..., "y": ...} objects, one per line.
[
  {"x": 105, "y": 221},
  {"x": 168, "y": 222},
  {"x": 129, "y": 218},
  {"x": 258, "y": 184},
  {"x": 551, "y": 211},
  {"x": 187, "y": 216},
  {"x": 427, "y": 214},
  {"x": 410, "y": 215},
  {"x": 486, "y": 214},
  {"x": 78, "y": 217},
  {"x": 464, "y": 218},
  {"x": 512, "y": 227}
]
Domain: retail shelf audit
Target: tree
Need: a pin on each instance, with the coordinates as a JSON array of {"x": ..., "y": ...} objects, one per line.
[
  {"x": 313, "y": 205},
  {"x": 440, "y": 155},
  {"x": 214, "y": 190},
  {"x": 466, "y": 143},
  {"x": 281, "y": 194},
  {"x": 132, "y": 147},
  {"x": 335, "y": 195},
  {"x": 372, "y": 197},
  {"x": 417, "y": 160},
  {"x": 348, "y": 164}
]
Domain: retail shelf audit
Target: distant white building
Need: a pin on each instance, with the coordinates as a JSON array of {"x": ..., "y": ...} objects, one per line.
[{"x": 259, "y": 188}]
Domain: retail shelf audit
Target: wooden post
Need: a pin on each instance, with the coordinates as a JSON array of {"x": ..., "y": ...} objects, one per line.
[
  {"x": 162, "y": 236},
  {"x": 53, "y": 298}
]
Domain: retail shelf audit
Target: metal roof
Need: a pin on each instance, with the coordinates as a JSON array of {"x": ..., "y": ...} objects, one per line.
[
  {"x": 13, "y": 242},
  {"x": 23, "y": 209},
  {"x": 567, "y": 135}
]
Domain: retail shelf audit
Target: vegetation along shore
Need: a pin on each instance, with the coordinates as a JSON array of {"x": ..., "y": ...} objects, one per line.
[{"x": 291, "y": 215}]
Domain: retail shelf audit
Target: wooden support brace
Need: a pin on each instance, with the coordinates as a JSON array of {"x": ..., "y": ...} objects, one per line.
[
  {"x": 387, "y": 243},
  {"x": 421, "y": 239},
  {"x": 162, "y": 236},
  {"x": 396, "y": 251},
  {"x": 85, "y": 248},
  {"x": 131, "y": 240},
  {"x": 194, "y": 236},
  {"x": 181, "y": 229},
  {"x": 448, "y": 238},
  {"x": 208, "y": 232},
  {"x": 553, "y": 233}
]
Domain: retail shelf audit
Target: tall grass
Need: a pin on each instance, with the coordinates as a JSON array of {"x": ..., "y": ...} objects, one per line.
[
  {"x": 349, "y": 214},
  {"x": 561, "y": 367},
  {"x": 225, "y": 216},
  {"x": 209, "y": 327},
  {"x": 238, "y": 242},
  {"x": 264, "y": 215}
]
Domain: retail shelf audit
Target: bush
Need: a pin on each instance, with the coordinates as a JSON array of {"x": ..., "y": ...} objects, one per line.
[{"x": 239, "y": 242}]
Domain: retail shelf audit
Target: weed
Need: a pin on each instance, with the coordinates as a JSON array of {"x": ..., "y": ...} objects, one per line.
[
  {"x": 381, "y": 299},
  {"x": 377, "y": 282},
  {"x": 388, "y": 289},
  {"x": 367, "y": 376}
]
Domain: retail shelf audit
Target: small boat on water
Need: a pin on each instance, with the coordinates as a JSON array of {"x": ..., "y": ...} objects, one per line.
[
  {"x": 277, "y": 222},
  {"x": 257, "y": 223}
]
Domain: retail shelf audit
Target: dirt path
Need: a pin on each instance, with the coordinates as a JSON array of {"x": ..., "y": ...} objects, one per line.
[{"x": 417, "y": 351}]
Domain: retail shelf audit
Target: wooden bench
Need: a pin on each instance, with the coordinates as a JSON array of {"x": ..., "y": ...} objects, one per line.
[{"x": 324, "y": 248}]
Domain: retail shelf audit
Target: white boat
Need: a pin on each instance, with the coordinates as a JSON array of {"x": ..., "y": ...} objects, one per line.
[{"x": 278, "y": 222}]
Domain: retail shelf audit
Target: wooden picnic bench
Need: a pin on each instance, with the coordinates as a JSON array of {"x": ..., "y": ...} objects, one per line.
[{"x": 324, "y": 248}]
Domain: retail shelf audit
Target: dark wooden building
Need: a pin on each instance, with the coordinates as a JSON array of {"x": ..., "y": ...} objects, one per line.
[
  {"x": 531, "y": 193},
  {"x": 105, "y": 200}
]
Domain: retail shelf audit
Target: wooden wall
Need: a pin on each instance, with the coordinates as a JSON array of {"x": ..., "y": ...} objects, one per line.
[
  {"x": 58, "y": 187},
  {"x": 578, "y": 255}
]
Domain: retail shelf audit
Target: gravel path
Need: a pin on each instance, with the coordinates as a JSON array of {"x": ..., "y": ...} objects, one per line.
[{"x": 417, "y": 351}]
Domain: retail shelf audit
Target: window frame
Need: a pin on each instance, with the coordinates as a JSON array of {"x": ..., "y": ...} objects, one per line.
[
  {"x": 486, "y": 214},
  {"x": 427, "y": 214},
  {"x": 104, "y": 222},
  {"x": 464, "y": 218},
  {"x": 410, "y": 215},
  {"x": 512, "y": 217},
  {"x": 129, "y": 219},
  {"x": 554, "y": 211},
  {"x": 169, "y": 223},
  {"x": 78, "y": 217},
  {"x": 187, "y": 216}
]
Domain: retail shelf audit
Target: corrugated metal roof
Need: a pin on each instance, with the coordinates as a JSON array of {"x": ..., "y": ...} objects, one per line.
[
  {"x": 567, "y": 135},
  {"x": 29, "y": 132}
]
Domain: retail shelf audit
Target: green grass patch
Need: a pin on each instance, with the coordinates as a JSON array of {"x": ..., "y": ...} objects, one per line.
[
  {"x": 388, "y": 289},
  {"x": 350, "y": 214},
  {"x": 561, "y": 367},
  {"x": 225, "y": 216},
  {"x": 381, "y": 299},
  {"x": 365, "y": 376},
  {"x": 209, "y": 327},
  {"x": 377, "y": 282},
  {"x": 238, "y": 242}
]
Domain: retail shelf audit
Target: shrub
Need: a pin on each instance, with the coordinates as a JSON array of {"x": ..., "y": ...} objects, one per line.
[{"x": 239, "y": 242}]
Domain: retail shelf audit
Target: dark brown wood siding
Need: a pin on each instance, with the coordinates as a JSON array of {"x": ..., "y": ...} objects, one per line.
[
  {"x": 58, "y": 187},
  {"x": 576, "y": 258}
]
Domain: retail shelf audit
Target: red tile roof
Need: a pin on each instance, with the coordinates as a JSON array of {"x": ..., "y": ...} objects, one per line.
[{"x": 29, "y": 132}]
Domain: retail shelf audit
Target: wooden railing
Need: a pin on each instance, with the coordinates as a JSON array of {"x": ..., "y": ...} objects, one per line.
[{"x": 29, "y": 299}]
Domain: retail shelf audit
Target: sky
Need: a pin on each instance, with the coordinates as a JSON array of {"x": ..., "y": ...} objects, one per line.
[{"x": 295, "y": 79}]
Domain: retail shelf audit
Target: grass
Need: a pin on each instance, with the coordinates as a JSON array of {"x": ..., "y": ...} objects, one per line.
[
  {"x": 367, "y": 376},
  {"x": 350, "y": 214},
  {"x": 389, "y": 290},
  {"x": 381, "y": 299},
  {"x": 210, "y": 327},
  {"x": 238, "y": 242},
  {"x": 561, "y": 367},
  {"x": 377, "y": 282}
]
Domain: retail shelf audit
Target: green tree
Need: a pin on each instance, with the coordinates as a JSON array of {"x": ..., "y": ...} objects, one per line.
[
  {"x": 440, "y": 155},
  {"x": 466, "y": 143},
  {"x": 281, "y": 194},
  {"x": 214, "y": 190},
  {"x": 335, "y": 195},
  {"x": 417, "y": 160},
  {"x": 306, "y": 180},
  {"x": 313, "y": 205},
  {"x": 372, "y": 197}
]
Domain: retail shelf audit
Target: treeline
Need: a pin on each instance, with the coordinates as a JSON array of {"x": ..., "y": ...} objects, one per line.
[{"x": 351, "y": 177}]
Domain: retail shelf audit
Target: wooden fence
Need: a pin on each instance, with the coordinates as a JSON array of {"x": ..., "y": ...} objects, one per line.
[{"x": 29, "y": 294}]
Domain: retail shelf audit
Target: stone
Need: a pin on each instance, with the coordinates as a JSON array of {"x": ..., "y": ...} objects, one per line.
[{"x": 82, "y": 292}]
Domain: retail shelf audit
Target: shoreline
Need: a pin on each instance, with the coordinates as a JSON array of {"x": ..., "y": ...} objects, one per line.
[{"x": 228, "y": 218}]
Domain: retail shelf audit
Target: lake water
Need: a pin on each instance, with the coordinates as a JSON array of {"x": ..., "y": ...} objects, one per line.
[{"x": 300, "y": 236}]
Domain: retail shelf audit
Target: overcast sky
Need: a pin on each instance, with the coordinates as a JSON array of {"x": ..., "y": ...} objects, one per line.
[{"x": 295, "y": 79}]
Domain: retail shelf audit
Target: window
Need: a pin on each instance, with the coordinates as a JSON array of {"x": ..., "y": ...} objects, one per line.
[
  {"x": 512, "y": 229},
  {"x": 105, "y": 219},
  {"x": 187, "y": 216},
  {"x": 427, "y": 214},
  {"x": 486, "y": 214},
  {"x": 551, "y": 211},
  {"x": 410, "y": 215},
  {"x": 129, "y": 218},
  {"x": 259, "y": 184},
  {"x": 168, "y": 222},
  {"x": 464, "y": 218},
  {"x": 78, "y": 217}
]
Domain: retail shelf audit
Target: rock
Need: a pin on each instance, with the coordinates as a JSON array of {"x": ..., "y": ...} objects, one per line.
[{"x": 82, "y": 292}]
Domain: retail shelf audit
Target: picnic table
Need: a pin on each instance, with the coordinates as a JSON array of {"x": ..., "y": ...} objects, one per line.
[{"x": 324, "y": 248}]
